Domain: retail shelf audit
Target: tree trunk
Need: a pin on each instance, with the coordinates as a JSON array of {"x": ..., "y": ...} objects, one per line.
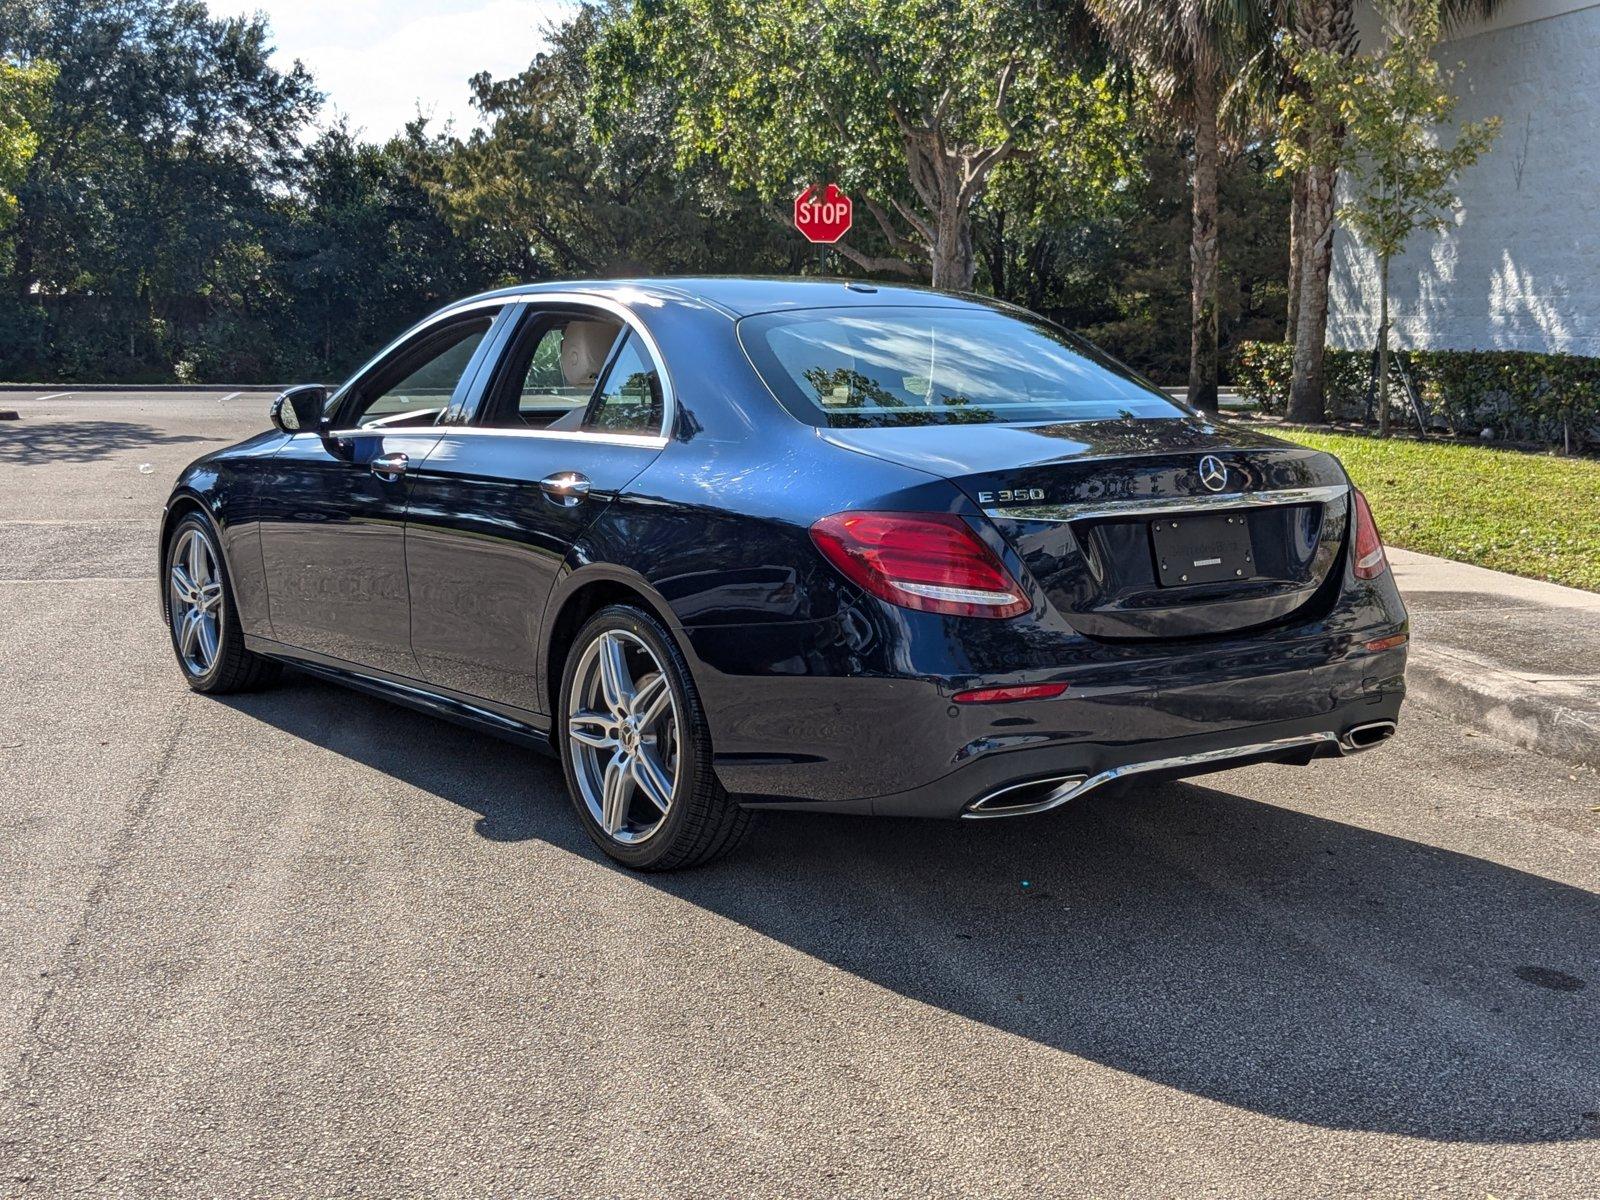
[
  {"x": 1383, "y": 347},
  {"x": 22, "y": 257},
  {"x": 997, "y": 257},
  {"x": 1311, "y": 323},
  {"x": 1297, "y": 229},
  {"x": 953, "y": 264},
  {"x": 1328, "y": 25},
  {"x": 1203, "y": 253}
]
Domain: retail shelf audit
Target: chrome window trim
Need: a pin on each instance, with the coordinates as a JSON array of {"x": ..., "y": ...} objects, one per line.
[
  {"x": 648, "y": 440},
  {"x": 1151, "y": 505},
  {"x": 669, "y": 395}
]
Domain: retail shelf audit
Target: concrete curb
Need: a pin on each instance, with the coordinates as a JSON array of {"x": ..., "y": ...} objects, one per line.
[
  {"x": 1517, "y": 658},
  {"x": 1533, "y": 714},
  {"x": 75, "y": 388}
]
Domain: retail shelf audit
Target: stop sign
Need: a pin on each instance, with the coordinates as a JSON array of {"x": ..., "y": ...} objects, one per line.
[{"x": 824, "y": 218}]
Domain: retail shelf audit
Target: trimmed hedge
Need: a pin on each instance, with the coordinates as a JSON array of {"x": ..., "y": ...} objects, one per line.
[{"x": 1521, "y": 395}]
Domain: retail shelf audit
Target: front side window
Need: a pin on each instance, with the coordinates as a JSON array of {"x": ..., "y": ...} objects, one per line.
[
  {"x": 932, "y": 366},
  {"x": 416, "y": 384},
  {"x": 629, "y": 401}
]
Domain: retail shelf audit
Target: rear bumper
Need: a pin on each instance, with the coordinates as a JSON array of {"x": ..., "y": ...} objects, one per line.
[
  {"x": 1039, "y": 789},
  {"x": 893, "y": 745}
]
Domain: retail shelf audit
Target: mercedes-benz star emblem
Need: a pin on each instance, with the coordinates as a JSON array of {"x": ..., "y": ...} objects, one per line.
[{"x": 1213, "y": 473}]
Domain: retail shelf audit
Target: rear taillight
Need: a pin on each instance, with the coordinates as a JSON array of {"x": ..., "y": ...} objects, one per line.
[
  {"x": 928, "y": 561},
  {"x": 1369, "y": 561}
]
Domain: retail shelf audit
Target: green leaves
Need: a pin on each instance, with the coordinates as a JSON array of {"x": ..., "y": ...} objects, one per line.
[
  {"x": 911, "y": 104},
  {"x": 1176, "y": 44},
  {"x": 581, "y": 171},
  {"x": 24, "y": 95},
  {"x": 1518, "y": 393},
  {"x": 1383, "y": 118}
]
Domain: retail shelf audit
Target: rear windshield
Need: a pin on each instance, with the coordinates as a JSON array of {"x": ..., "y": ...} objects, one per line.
[{"x": 856, "y": 367}]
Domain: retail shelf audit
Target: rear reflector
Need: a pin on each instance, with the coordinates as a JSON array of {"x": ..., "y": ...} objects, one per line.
[
  {"x": 996, "y": 695},
  {"x": 1386, "y": 643},
  {"x": 933, "y": 562},
  {"x": 1370, "y": 560}
]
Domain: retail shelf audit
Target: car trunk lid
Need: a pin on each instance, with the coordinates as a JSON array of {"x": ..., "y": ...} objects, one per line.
[{"x": 1145, "y": 529}]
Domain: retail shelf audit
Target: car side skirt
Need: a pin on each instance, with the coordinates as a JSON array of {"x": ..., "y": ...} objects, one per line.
[{"x": 515, "y": 725}]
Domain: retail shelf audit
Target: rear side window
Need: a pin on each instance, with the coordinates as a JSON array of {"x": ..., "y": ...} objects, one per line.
[
  {"x": 629, "y": 401},
  {"x": 548, "y": 376},
  {"x": 938, "y": 366}
]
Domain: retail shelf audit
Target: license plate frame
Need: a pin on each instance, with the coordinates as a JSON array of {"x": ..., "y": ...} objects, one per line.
[{"x": 1192, "y": 549}]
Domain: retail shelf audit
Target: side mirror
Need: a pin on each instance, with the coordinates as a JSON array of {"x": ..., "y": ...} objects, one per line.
[{"x": 299, "y": 410}]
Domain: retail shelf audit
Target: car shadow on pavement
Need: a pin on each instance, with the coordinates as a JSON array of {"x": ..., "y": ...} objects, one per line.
[
  {"x": 1285, "y": 963},
  {"x": 32, "y": 442}
]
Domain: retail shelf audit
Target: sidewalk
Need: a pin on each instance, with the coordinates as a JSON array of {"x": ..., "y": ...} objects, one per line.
[{"x": 1515, "y": 657}]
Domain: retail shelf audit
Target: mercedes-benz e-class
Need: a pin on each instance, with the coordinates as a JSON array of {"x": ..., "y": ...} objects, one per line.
[{"x": 726, "y": 545}]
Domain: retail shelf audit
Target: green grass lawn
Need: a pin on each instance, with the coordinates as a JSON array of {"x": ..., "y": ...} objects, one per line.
[{"x": 1528, "y": 514}]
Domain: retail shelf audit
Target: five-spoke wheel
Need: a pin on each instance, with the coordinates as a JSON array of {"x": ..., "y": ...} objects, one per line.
[
  {"x": 624, "y": 730},
  {"x": 205, "y": 630},
  {"x": 195, "y": 603},
  {"x": 637, "y": 747}
]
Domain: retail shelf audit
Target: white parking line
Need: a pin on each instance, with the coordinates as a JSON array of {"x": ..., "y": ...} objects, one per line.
[
  {"x": 54, "y": 396},
  {"x": 229, "y": 396}
]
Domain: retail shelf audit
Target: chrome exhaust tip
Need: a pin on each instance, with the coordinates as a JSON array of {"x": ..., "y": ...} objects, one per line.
[
  {"x": 1365, "y": 737},
  {"x": 1050, "y": 791},
  {"x": 1030, "y": 796}
]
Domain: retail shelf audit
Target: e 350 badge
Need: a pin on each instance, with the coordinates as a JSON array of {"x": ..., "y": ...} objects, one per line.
[{"x": 1010, "y": 495}]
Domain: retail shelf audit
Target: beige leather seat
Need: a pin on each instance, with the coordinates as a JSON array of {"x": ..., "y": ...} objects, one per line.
[{"x": 584, "y": 346}]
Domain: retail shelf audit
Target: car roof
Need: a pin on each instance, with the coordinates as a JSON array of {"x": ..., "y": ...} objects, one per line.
[{"x": 744, "y": 295}]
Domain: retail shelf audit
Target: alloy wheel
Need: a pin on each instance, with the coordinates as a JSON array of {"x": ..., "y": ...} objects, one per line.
[
  {"x": 195, "y": 601},
  {"x": 624, "y": 736}
]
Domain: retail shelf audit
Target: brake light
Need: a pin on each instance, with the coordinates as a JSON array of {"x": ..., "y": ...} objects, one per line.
[
  {"x": 933, "y": 562},
  {"x": 1370, "y": 559},
  {"x": 1021, "y": 691}
]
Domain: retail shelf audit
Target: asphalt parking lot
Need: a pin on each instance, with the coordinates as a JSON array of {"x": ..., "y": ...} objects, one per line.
[{"x": 306, "y": 943}]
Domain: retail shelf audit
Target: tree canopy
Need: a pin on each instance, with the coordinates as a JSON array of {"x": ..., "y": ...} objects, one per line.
[
  {"x": 910, "y": 104},
  {"x": 557, "y": 198},
  {"x": 183, "y": 211},
  {"x": 23, "y": 90}
]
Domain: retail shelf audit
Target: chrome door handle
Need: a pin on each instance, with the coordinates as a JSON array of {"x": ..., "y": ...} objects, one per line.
[
  {"x": 390, "y": 467},
  {"x": 566, "y": 488}
]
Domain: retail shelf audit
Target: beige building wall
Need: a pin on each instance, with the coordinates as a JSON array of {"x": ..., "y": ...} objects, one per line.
[{"x": 1519, "y": 266}]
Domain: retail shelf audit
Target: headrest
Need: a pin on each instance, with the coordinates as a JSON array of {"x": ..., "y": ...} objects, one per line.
[{"x": 584, "y": 345}]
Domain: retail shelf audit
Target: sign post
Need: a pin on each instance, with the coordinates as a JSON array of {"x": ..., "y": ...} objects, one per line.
[{"x": 823, "y": 218}]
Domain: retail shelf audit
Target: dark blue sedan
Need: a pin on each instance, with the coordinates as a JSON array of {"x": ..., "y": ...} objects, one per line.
[{"x": 732, "y": 544}]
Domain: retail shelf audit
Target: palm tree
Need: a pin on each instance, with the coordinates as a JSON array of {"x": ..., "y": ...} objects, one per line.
[
  {"x": 1326, "y": 25},
  {"x": 1193, "y": 53}
]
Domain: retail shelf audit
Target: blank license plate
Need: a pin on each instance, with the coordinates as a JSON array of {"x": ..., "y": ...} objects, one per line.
[{"x": 1203, "y": 549}]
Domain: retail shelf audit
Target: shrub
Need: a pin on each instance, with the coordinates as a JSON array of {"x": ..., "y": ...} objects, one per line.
[
  {"x": 1519, "y": 394},
  {"x": 1261, "y": 372}
]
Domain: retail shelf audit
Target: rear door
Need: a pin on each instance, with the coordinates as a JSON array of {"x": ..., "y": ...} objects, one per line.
[
  {"x": 333, "y": 508},
  {"x": 574, "y": 408}
]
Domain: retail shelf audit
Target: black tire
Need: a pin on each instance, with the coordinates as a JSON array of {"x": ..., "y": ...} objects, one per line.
[
  {"x": 232, "y": 668},
  {"x": 702, "y": 822}
]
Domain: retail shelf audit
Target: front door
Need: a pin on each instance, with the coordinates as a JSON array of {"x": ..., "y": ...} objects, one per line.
[
  {"x": 333, "y": 512},
  {"x": 570, "y": 415}
]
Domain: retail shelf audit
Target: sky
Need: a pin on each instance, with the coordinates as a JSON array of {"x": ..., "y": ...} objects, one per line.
[{"x": 378, "y": 60}]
